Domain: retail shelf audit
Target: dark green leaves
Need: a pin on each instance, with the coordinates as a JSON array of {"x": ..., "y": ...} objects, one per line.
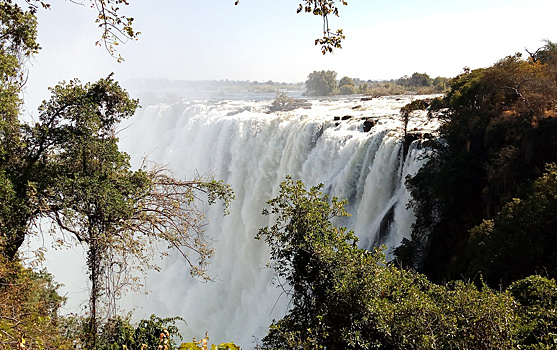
[
  {"x": 331, "y": 39},
  {"x": 348, "y": 298}
]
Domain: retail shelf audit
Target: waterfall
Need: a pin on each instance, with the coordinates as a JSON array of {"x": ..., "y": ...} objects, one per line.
[{"x": 253, "y": 151}]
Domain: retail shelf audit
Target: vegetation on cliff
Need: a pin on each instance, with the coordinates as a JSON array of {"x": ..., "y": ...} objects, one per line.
[
  {"x": 344, "y": 297},
  {"x": 497, "y": 137}
]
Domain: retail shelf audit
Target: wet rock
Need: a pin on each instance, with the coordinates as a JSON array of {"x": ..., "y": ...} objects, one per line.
[{"x": 369, "y": 123}]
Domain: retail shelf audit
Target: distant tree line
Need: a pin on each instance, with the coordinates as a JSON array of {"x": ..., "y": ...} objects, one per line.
[{"x": 324, "y": 83}]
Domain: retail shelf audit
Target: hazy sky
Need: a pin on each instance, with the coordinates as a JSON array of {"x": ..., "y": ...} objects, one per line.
[{"x": 266, "y": 40}]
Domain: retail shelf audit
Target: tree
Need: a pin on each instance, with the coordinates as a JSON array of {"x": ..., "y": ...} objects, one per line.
[
  {"x": 537, "y": 297},
  {"x": 331, "y": 40},
  {"x": 19, "y": 31},
  {"x": 420, "y": 79},
  {"x": 67, "y": 167},
  {"x": 343, "y": 297},
  {"x": 346, "y": 86},
  {"x": 282, "y": 102},
  {"x": 346, "y": 81},
  {"x": 115, "y": 28},
  {"x": 441, "y": 84},
  {"x": 120, "y": 333},
  {"x": 347, "y": 90},
  {"x": 322, "y": 83},
  {"x": 310, "y": 258},
  {"x": 91, "y": 192},
  {"x": 323, "y": 8},
  {"x": 363, "y": 88}
]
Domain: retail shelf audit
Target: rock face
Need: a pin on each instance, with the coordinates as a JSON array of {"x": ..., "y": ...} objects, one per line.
[
  {"x": 369, "y": 123},
  {"x": 411, "y": 137},
  {"x": 346, "y": 117},
  {"x": 368, "y": 98}
]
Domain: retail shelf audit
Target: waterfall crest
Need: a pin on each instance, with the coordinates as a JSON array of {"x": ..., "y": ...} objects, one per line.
[{"x": 253, "y": 151}]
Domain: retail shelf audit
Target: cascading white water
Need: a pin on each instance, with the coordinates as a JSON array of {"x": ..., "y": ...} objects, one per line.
[{"x": 253, "y": 151}]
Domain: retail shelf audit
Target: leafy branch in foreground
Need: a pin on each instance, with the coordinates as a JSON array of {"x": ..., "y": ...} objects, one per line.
[
  {"x": 115, "y": 27},
  {"x": 331, "y": 39}
]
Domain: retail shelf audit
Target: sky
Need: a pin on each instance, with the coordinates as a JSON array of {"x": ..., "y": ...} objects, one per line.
[{"x": 262, "y": 40}]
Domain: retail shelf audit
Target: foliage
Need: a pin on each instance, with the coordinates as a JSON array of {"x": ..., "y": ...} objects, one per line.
[
  {"x": 67, "y": 167},
  {"x": 404, "y": 85},
  {"x": 203, "y": 344},
  {"x": 344, "y": 297},
  {"x": 115, "y": 27},
  {"x": 18, "y": 44},
  {"x": 322, "y": 83},
  {"x": 86, "y": 187},
  {"x": 417, "y": 79},
  {"x": 537, "y": 324},
  {"x": 29, "y": 304},
  {"x": 118, "y": 333},
  {"x": 382, "y": 89},
  {"x": 347, "y": 90},
  {"x": 544, "y": 54},
  {"x": 330, "y": 40},
  {"x": 395, "y": 87},
  {"x": 441, "y": 84},
  {"x": 520, "y": 240},
  {"x": 497, "y": 135},
  {"x": 282, "y": 103},
  {"x": 346, "y": 81},
  {"x": 346, "y": 86}
]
